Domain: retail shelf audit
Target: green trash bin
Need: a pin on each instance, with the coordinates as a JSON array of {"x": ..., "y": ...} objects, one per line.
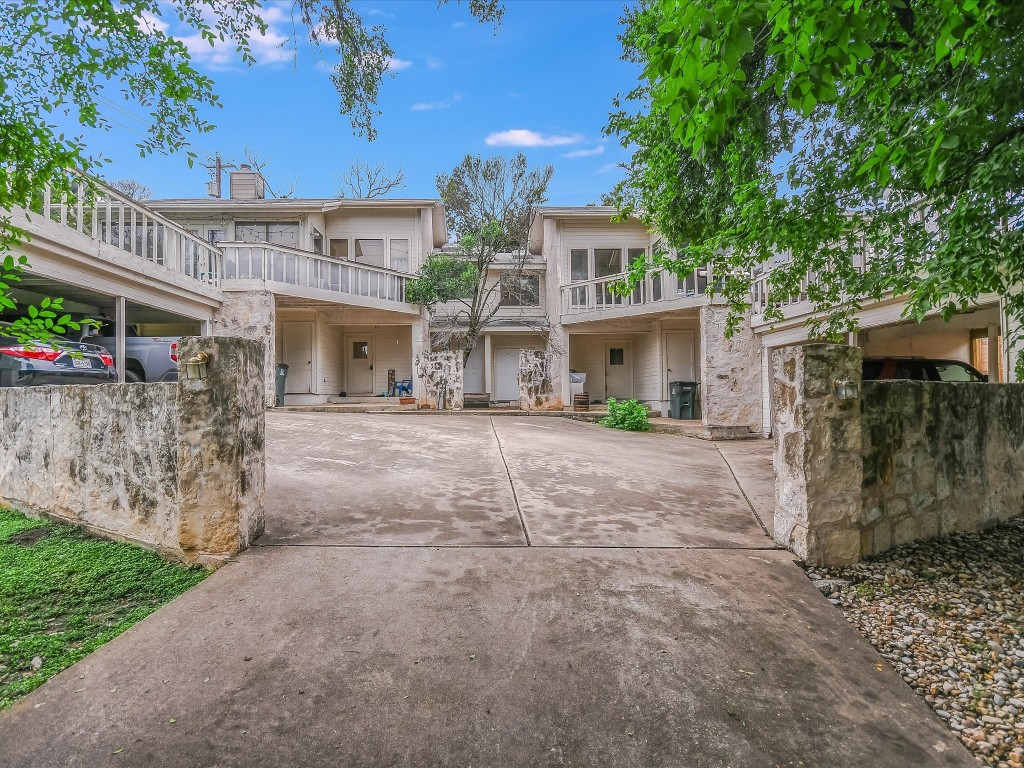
[
  {"x": 682, "y": 399},
  {"x": 279, "y": 381}
]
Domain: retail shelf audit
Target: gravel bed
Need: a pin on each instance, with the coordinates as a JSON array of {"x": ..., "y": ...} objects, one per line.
[{"x": 948, "y": 614}]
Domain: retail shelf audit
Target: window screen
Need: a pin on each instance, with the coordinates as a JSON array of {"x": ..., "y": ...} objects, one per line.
[
  {"x": 400, "y": 255},
  {"x": 579, "y": 264},
  {"x": 607, "y": 261},
  {"x": 370, "y": 251},
  {"x": 339, "y": 249}
]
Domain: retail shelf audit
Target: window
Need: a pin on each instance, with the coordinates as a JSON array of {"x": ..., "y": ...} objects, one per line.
[
  {"x": 400, "y": 255},
  {"x": 339, "y": 249},
  {"x": 616, "y": 356},
  {"x": 656, "y": 286},
  {"x": 607, "y": 261},
  {"x": 953, "y": 371},
  {"x": 318, "y": 241},
  {"x": 276, "y": 233},
  {"x": 214, "y": 236},
  {"x": 360, "y": 350},
  {"x": 579, "y": 264},
  {"x": 636, "y": 254},
  {"x": 370, "y": 251},
  {"x": 520, "y": 291}
]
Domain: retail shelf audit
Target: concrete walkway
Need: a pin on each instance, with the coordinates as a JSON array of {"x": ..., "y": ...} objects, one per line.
[{"x": 477, "y": 592}]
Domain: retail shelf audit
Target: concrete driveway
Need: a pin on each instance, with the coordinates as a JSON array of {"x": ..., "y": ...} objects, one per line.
[{"x": 469, "y": 591}]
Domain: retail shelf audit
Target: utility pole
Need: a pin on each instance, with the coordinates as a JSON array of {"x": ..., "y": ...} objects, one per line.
[{"x": 216, "y": 166}]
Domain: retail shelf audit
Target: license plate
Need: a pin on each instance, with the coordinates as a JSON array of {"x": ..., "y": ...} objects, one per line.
[{"x": 81, "y": 362}]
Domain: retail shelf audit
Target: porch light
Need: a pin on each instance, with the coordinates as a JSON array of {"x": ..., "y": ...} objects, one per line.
[
  {"x": 846, "y": 389},
  {"x": 195, "y": 367}
]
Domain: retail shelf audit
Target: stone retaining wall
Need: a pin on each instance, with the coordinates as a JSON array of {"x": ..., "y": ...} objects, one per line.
[
  {"x": 939, "y": 457},
  {"x": 177, "y": 467},
  {"x": 906, "y": 460}
]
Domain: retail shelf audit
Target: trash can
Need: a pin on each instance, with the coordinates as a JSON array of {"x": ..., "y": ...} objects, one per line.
[
  {"x": 683, "y": 399},
  {"x": 279, "y": 380}
]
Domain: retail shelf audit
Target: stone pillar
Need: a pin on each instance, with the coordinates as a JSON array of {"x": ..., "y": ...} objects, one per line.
[
  {"x": 220, "y": 449},
  {"x": 730, "y": 388},
  {"x": 251, "y": 315},
  {"x": 818, "y": 464},
  {"x": 441, "y": 375},
  {"x": 537, "y": 384}
]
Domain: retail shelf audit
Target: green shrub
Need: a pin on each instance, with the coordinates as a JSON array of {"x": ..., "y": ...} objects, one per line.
[{"x": 630, "y": 415}]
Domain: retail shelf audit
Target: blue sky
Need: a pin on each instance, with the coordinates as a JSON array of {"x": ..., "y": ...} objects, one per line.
[{"x": 543, "y": 85}]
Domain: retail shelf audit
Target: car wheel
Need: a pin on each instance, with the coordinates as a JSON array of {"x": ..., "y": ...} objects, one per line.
[{"x": 131, "y": 377}]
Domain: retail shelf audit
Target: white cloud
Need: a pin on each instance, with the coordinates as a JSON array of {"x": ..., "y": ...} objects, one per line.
[
  {"x": 380, "y": 12},
  {"x": 434, "y": 63},
  {"x": 397, "y": 65},
  {"x": 520, "y": 137},
  {"x": 607, "y": 168},
  {"x": 443, "y": 104},
  {"x": 458, "y": 25},
  {"x": 149, "y": 23},
  {"x": 598, "y": 150},
  {"x": 271, "y": 47}
]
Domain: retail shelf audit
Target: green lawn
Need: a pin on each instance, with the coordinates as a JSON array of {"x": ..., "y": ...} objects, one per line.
[{"x": 63, "y": 594}]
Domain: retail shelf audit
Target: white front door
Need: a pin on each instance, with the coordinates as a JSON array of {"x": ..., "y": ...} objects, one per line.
[
  {"x": 678, "y": 357},
  {"x": 298, "y": 356},
  {"x": 359, "y": 364},
  {"x": 506, "y": 375},
  {"x": 618, "y": 370},
  {"x": 473, "y": 375}
]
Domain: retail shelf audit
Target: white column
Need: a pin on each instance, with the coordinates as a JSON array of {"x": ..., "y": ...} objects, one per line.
[
  {"x": 119, "y": 331},
  {"x": 488, "y": 365}
]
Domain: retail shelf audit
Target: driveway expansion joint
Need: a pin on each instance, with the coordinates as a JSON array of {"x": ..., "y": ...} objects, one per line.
[{"x": 512, "y": 485}]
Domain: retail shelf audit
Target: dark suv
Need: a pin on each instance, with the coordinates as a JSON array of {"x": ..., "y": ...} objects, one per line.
[{"x": 919, "y": 369}]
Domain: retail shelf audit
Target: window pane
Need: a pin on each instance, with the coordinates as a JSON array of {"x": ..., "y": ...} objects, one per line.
[
  {"x": 339, "y": 249},
  {"x": 360, "y": 350},
  {"x": 523, "y": 291},
  {"x": 616, "y": 357},
  {"x": 286, "y": 233},
  {"x": 636, "y": 254},
  {"x": 579, "y": 264},
  {"x": 400, "y": 255},
  {"x": 607, "y": 261},
  {"x": 214, "y": 236},
  {"x": 250, "y": 233},
  {"x": 954, "y": 372},
  {"x": 370, "y": 252},
  {"x": 318, "y": 241}
]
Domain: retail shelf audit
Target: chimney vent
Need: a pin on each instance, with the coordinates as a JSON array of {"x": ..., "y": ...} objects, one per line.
[{"x": 247, "y": 184}]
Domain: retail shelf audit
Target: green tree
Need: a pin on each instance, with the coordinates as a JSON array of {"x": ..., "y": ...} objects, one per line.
[
  {"x": 78, "y": 58},
  {"x": 876, "y": 145},
  {"x": 489, "y": 206}
]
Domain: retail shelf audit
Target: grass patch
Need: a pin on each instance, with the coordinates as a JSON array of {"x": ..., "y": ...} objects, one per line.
[{"x": 63, "y": 594}]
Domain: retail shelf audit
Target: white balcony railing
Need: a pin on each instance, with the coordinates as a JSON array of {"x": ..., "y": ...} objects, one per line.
[
  {"x": 596, "y": 295},
  {"x": 291, "y": 266},
  {"x": 104, "y": 215}
]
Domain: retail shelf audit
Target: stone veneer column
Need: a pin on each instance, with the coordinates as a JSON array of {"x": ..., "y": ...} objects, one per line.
[
  {"x": 818, "y": 464},
  {"x": 220, "y": 449},
  {"x": 251, "y": 315},
  {"x": 539, "y": 387},
  {"x": 730, "y": 387},
  {"x": 441, "y": 375}
]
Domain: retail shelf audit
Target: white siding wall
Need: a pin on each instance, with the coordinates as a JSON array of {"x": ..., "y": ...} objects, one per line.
[
  {"x": 403, "y": 225},
  {"x": 647, "y": 366},
  {"x": 915, "y": 340},
  {"x": 331, "y": 359},
  {"x": 599, "y": 235},
  {"x": 393, "y": 349}
]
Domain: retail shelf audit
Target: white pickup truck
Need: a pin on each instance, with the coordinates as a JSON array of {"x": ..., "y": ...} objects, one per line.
[{"x": 146, "y": 359}]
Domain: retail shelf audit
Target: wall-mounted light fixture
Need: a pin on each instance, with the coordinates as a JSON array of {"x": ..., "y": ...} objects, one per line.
[
  {"x": 846, "y": 389},
  {"x": 196, "y": 366}
]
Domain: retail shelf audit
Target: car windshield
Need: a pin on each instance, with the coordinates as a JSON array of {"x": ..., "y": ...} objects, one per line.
[{"x": 954, "y": 371}]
